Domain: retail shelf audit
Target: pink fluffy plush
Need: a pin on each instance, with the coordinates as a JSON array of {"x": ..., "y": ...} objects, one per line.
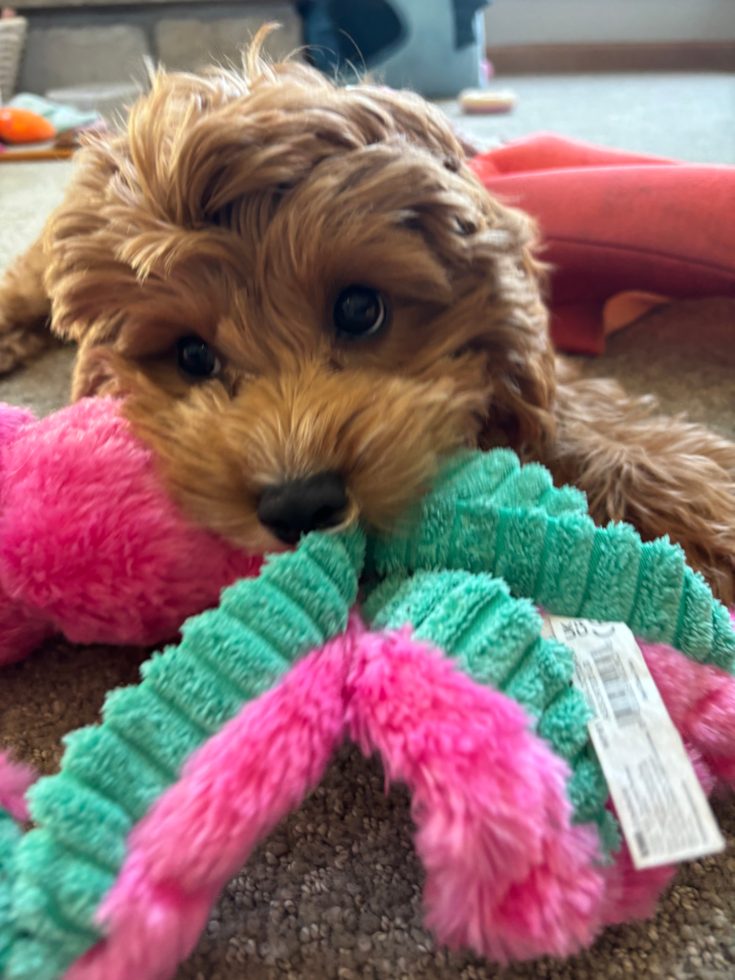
[{"x": 90, "y": 544}]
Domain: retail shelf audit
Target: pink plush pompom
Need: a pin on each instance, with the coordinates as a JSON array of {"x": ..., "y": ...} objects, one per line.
[{"x": 91, "y": 545}]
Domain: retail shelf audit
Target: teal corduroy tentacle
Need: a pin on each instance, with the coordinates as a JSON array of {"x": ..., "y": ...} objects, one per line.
[
  {"x": 10, "y": 835},
  {"x": 113, "y": 772},
  {"x": 490, "y": 514}
]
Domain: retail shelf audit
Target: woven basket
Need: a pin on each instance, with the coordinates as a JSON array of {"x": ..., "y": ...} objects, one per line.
[{"x": 12, "y": 38}]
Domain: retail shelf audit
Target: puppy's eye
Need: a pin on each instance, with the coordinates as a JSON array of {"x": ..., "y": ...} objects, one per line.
[
  {"x": 196, "y": 358},
  {"x": 359, "y": 312}
]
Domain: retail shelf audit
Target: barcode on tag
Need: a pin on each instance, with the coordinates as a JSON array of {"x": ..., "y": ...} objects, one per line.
[
  {"x": 663, "y": 811},
  {"x": 617, "y": 686}
]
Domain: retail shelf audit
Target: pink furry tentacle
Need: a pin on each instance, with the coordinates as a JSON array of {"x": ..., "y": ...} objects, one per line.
[
  {"x": 15, "y": 779},
  {"x": 701, "y": 702},
  {"x": 508, "y": 874},
  {"x": 232, "y": 792},
  {"x": 632, "y": 894}
]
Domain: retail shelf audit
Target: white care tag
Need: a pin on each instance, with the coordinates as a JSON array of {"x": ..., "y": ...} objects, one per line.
[{"x": 663, "y": 811}]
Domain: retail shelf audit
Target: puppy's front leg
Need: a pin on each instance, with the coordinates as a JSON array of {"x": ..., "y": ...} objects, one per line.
[
  {"x": 25, "y": 310},
  {"x": 663, "y": 475}
]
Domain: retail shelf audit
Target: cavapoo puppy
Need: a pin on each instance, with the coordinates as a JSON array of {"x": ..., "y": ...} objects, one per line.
[{"x": 309, "y": 299}]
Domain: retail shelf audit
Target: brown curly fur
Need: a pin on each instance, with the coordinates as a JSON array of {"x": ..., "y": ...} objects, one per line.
[{"x": 235, "y": 207}]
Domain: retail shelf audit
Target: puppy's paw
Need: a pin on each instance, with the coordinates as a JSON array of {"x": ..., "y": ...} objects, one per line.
[
  {"x": 25, "y": 311},
  {"x": 21, "y": 344}
]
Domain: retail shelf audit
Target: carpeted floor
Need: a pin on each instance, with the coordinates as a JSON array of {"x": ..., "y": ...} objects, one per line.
[
  {"x": 686, "y": 117},
  {"x": 336, "y": 891}
]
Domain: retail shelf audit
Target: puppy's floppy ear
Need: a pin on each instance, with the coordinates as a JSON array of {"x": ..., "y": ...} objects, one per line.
[{"x": 514, "y": 334}]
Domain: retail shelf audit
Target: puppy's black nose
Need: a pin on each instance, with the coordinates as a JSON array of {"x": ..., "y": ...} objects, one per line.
[{"x": 294, "y": 508}]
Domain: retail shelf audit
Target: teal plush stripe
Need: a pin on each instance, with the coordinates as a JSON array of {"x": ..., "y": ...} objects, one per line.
[
  {"x": 99, "y": 759},
  {"x": 188, "y": 682},
  {"x": 152, "y": 726},
  {"x": 525, "y": 488},
  {"x": 453, "y": 623},
  {"x": 523, "y": 533},
  {"x": 543, "y": 673},
  {"x": 656, "y": 611},
  {"x": 696, "y": 624},
  {"x": 564, "y": 500},
  {"x": 587, "y": 787},
  {"x": 409, "y": 604},
  {"x": 242, "y": 657},
  {"x": 436, "y": 538},
  {"x": 278, "y": 620},
  {"x": 71, "y": 883},
  {"x": 722, "y": 650},
  {"x": 469, "y": 550},
  {"x": 381, "y": 598},
  {"x": 609, "y": 831},
  {"x": 52, "y": 928},
  {"x": 499, "y": 638},
  {"x": 86, "y": 823},
  {"x": 469, "y": 475},
  {"x": 561, "y": 588},
  {"x": 615, "y": 562},
  {"x": 539, "y": 541},
  {"x": 564, "y": 722},
  {"x": 34, "y": 958},
  {"x": 10, "y": 834},
  {"x": 112, "y": 773}
]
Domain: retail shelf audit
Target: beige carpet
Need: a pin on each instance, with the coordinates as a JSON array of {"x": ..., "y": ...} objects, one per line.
[{"x": 335, "y": 892}]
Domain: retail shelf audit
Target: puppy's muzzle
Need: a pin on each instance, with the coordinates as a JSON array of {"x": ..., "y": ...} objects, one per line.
[{"x": 299, "y": 506}]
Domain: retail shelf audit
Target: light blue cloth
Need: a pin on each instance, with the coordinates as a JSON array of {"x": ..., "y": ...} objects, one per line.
[{"x": 62, "y": 117}]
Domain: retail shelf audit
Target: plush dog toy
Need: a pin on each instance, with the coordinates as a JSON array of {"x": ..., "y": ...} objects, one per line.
[{"x": 444, "y": 672}]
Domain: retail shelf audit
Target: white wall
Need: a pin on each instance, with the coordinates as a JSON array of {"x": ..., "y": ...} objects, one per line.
[{"x": 575, "y": 21}]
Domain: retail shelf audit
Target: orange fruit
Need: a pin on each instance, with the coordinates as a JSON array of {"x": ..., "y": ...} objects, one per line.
[{"x": 24, "y": 126}]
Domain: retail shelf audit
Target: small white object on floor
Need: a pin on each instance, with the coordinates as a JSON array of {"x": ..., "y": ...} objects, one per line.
[{"x": 481, "y": 101}]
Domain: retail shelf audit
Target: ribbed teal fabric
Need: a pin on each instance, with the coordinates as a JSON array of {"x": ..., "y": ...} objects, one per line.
[
  {"x": 112, "y": 773},
  {"x": 511, "y": 522},
  {"x": 10, "y": 835}
]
